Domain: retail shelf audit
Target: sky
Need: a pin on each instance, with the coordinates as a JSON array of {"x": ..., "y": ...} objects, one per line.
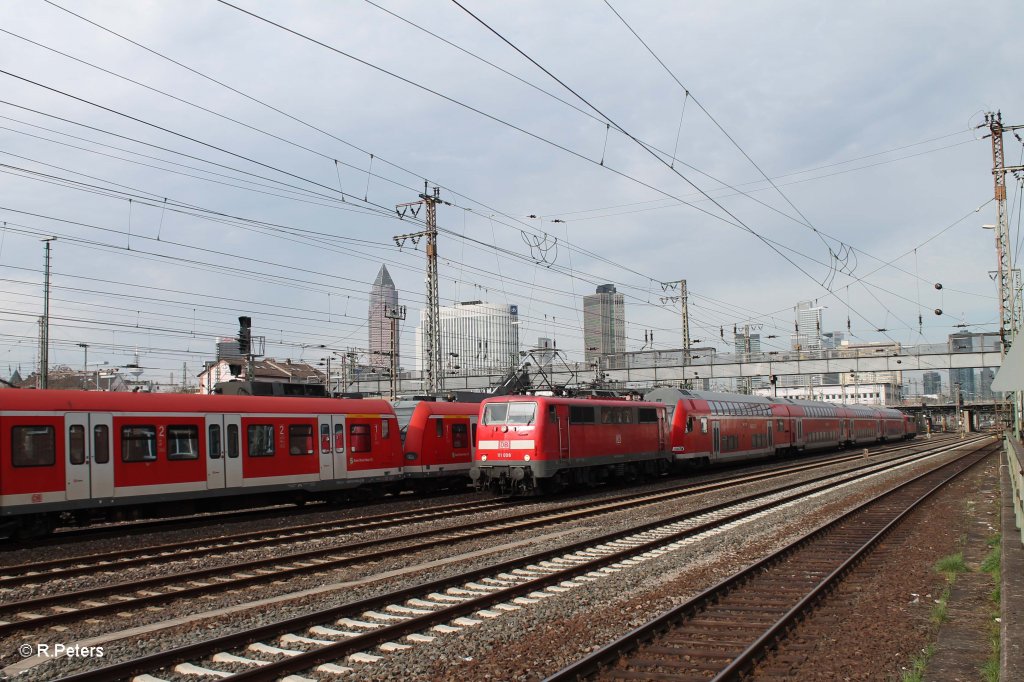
[{"x": 197, "y": 162}]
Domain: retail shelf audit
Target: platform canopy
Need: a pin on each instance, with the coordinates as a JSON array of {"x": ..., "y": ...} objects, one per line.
[{"x": 1010, "y": 376}]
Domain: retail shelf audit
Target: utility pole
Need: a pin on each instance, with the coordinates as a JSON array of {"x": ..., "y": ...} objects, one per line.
[
  {"x": 394, "y": 314},
  {"x": 1007, "y": 320},
  {"x": 685, "y": 311},
  {"x": 44, "y": 354},
  {"x": 432, "y": 336},
  {"x": 85, "y": 366}
]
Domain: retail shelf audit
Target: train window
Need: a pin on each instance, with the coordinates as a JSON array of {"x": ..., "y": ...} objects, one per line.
[
  {"x": 261, "y": 440},
  {"x": 522, "y": 413},
  {"x": 579, "y": 414},
  {"x": 359, "y": 438},
  {"x": 232, "y": 440},
  {"x": 459, "y": 433},
  {"x": 609, "y": 415},
  {"x": 646, "y": 415},
  {"x": 703, "y": 425},
  {"x": 689, "y": 424},
  {"x": 183, "y": 441},
  {"x": 473, "y": 433},
  {"x": 439, "y": 427},
  {"x": 76, "y": 444},
  {"x": 300, "y": 439},
  {"x": 101, "y": 444},
  {"x": 552, "y": 414},
  {"x": 495, "y": 413},
  {"x": 213, "y": 442},
  {"x": 779, "y": 425},
  {"x": 33, "y": 446},
  {"x": 138, "y": 443},
  {"x": 385, "y": 428},
  {"x": 325, "y": 438},
  {"x": 339, "y": 437}
]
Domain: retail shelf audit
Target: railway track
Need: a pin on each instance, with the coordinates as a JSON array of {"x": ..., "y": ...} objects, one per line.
[
  {"x": 66, "y": 567},
  {"x": 723, "y": 632},
  {"x": 90, "y": 603},
  {"x": 361, "y": 632}
]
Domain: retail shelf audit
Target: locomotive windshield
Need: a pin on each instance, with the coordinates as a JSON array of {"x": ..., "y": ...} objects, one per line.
[{"x": 517, "y": 413}]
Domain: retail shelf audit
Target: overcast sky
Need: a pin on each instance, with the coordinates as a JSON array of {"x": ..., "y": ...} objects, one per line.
[{"x": 589, "y": 166}]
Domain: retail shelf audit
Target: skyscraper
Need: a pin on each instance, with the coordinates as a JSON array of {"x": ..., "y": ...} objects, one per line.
[
  {"x": 383, "y": 297},
  {"x": 932, "y": 383},
  {"x": 604, "y": 323}
]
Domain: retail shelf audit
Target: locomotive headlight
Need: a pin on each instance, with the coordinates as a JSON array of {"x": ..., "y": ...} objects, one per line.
[
  {"x": 483, "y": 458},
  {"x": 526, "y": 458},
  {"x": 504, "y": 428}
]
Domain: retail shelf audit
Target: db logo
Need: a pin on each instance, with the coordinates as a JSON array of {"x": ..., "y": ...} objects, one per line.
[
  {"x": 37, "y": 497},
  {"x": 504, "y": 444}
]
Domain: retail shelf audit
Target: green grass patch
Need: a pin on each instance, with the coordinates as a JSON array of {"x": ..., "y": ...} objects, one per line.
[
  {"x": 917, "y": 665},
  {"x": 939, "y": 611},
  {"x": 951, "y": 565},
  {"x": 993, "y": 566}
]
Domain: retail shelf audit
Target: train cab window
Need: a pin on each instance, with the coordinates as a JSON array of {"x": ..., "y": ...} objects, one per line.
[
  {"x": 552, "y": 414},
  {"x": 385, "y": 428},
  {"x": 522, "y": 413},
  {"x": 439, "y": 428},
  {"x": 689, "y": 424},
  {"x": 459, "y": 437},
  {"x": 703, "y": 425},
  {"x": 33, "y": 446},
  {"x": 495, "y": 413},
  {"x": 473, "y": 433},
  {"x": 300, "y": 439},
  {"x": 779, "y": 426},
  {"x": 261, "y": 440},
  {"x": 339, "y": 438},
  {"x": 182, "y": 442},
  {"x": 138, "y": 443},
  {"x": 233, "y": 440},
  {"x": 101, "y": 444},
  {"x": 213, "y": 442},
  {"x": 647, "y": 415},
  {"x": 76, "y": 444},
  {"x": 359, "y": 438},
  {"x": 325, "y": 438}
]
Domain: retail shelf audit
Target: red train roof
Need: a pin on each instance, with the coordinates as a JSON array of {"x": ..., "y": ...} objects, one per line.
[{"x": 99, "y": 401}]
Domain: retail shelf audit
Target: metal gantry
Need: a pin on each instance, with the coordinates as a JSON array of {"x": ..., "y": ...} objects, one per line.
[{"x": 432, "y": 332}]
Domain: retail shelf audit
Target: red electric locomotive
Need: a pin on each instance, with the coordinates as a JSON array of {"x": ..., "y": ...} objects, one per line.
[
  {"x": 530, "y": 444},
  {"x": 439, "y": 439},
  {"x": 72, "y": 456}
]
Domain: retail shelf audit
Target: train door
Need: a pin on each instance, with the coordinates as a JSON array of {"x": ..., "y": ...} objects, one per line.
[
  {"x": 87, "y": 467},
  {"x": 564, "y": 452},
  {"x": 232, "y": 450},
  {"x": 716, "y": 440},
  {"x": 338, "y": 443},
  {"x": 326, "y": 426},
  {"x": 101, "y": 463},
  {"x": 770, "y": 424},
  {"x": 76, "y": 456},
  {"x": 215, "y": 476}
]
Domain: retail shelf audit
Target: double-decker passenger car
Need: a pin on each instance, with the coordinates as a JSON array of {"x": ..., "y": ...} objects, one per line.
[
  {"x": 529, "y": 444},
  {"x": 72, "y": 456},
  {"x": 709, "y": 427}
]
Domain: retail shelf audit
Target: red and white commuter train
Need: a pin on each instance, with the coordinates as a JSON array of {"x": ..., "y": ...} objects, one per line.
[
  {"x": 73, "y": 456},
  {"x": 529, "y": 444}
]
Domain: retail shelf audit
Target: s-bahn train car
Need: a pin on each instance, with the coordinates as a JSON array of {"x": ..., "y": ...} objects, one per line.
[
  {"x": 74, "y": 456},
  {"x": 438, "y": 441},
  {"x": 531, "y": 444}
]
